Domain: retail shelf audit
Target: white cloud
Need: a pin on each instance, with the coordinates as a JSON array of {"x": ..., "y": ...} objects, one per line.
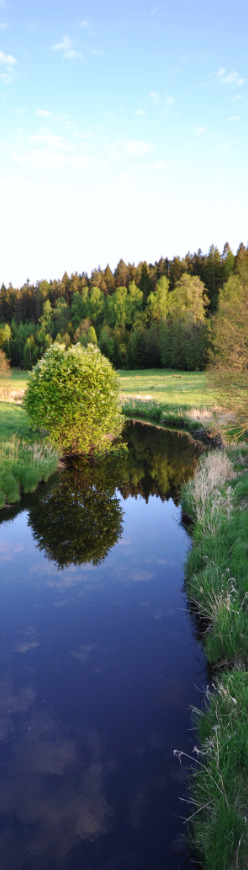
[
  {"x": 4, "y": 26},
  {"x": 66, "y": 46},
  {"x": 155, "y": 98},
  {"x": 84, "y": 24},
  {"x": 48, "y": 152},
  {"x": 200, "y": 131},
  {"x": 3, "y": 4},
  {"x": 43, "y": 113},
  {"x": 230, "y": 78},
  {"x": 8, "y": 59},
  {"x": 140, "y": 112},
  {"x": 169, "y": 101}
]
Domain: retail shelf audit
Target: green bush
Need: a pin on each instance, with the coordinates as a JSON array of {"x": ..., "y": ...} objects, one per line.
[{"x": 73, "y": 394}]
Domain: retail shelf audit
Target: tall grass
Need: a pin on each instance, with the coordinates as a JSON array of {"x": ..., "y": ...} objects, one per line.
[
  {"x": 217, "y": 587},
  {"x": 22, "y": 467},
  {"x": 24, "y": 460},
  {"x": 219, "y": 817}
]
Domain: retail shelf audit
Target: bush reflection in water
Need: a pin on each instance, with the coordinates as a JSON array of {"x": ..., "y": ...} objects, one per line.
[{"x": 80, "y": 519}]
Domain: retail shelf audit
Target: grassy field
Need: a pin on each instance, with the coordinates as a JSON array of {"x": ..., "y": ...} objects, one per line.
[
  {"x": 13, "y": 387},
  {"x": 168, "y": 396},
  {"x": 13, "y": 422},
  {"x": 154, "y": 393}
]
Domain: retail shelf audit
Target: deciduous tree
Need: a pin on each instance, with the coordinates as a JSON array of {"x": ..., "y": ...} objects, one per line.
[{"x": 74, "y": 395}]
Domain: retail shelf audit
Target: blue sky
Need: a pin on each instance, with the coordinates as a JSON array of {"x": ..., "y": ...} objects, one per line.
[{"x": 123, "y": 132}]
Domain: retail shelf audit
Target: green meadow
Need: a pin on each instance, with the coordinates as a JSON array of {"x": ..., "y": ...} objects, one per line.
[{"x": 168, "y": 397}]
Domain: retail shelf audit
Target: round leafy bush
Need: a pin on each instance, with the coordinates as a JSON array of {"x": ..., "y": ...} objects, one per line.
[{"x": 73, "y": 394}]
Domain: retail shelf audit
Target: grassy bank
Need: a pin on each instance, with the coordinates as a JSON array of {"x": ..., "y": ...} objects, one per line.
[
  {"x": 177, "y": 398},
  {"x": 217, "y": 587},
  {"x": 25, "y": 460},
  {"x": 159, "y": 395}
]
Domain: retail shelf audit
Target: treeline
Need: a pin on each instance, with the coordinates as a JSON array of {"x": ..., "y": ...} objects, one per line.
[{"x": 143, "y": 316}]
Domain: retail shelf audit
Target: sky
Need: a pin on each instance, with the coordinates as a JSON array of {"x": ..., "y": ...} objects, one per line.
[{"x": 124, "y": 132}]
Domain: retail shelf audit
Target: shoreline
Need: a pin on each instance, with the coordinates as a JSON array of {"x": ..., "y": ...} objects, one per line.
[{"x": 216, "y": 501}]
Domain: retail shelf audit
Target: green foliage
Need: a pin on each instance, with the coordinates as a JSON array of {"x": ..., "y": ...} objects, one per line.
[
  {"x": 183, "y": 335},
  {"x": 228, "y": 370},
  {"x": 91, "y": 335},
  {"x": 130, "y": 299},
  {"x": 188, "y": 301},
  {"x": 73, "y": 394},
  {"x": 158, "y": 302}
]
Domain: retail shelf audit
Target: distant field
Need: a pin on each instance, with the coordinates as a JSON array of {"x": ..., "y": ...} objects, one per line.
[
  {"x": 12, "y": 388},
  {"x": 158, "y": 394},
  {"x": 167, "y": 395}
]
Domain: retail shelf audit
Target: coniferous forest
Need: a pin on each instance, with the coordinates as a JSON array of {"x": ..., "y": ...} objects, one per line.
[{"x": 144, "y": 316}]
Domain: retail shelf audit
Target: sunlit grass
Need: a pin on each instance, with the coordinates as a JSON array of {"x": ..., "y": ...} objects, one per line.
[
  {"x": 168, "y": 396},
  {"x": 25, "y": 460},
  {"x": 13, "y": 386},
  {"x": 13, "y": 422}
]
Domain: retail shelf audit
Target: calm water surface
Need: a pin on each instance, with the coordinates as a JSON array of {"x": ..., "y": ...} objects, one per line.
[{"x": 98, "y": 665}]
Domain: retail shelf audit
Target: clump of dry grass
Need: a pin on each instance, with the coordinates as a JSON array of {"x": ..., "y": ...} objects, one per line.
[
  {"x": 203, "y": 415},
  {"x": 42, "y": 452},
  {"x": 209, "y": 500}
]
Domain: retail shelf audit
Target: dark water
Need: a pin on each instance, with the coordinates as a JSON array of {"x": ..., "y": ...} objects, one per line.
[{"x": 98, "y": 665}]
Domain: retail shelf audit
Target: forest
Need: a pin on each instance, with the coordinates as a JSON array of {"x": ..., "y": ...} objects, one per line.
[{"x": 144, "y": 316}]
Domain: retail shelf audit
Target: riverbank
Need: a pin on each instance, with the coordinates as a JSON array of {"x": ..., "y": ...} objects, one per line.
[
  {"x": 217, "y": 588},
  {"x": 170, "y": 398},
  {"x": 25, "y": 459},
  {"x": 157, "y": 395}
]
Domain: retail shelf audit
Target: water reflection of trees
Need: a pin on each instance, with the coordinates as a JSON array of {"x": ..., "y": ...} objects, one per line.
[
  {"x": 159, "y": 461},
  {"x": 80, "y": 519}
]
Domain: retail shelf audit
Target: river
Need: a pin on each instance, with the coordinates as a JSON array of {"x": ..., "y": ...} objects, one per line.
[{"x": 99, "y": 663}]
